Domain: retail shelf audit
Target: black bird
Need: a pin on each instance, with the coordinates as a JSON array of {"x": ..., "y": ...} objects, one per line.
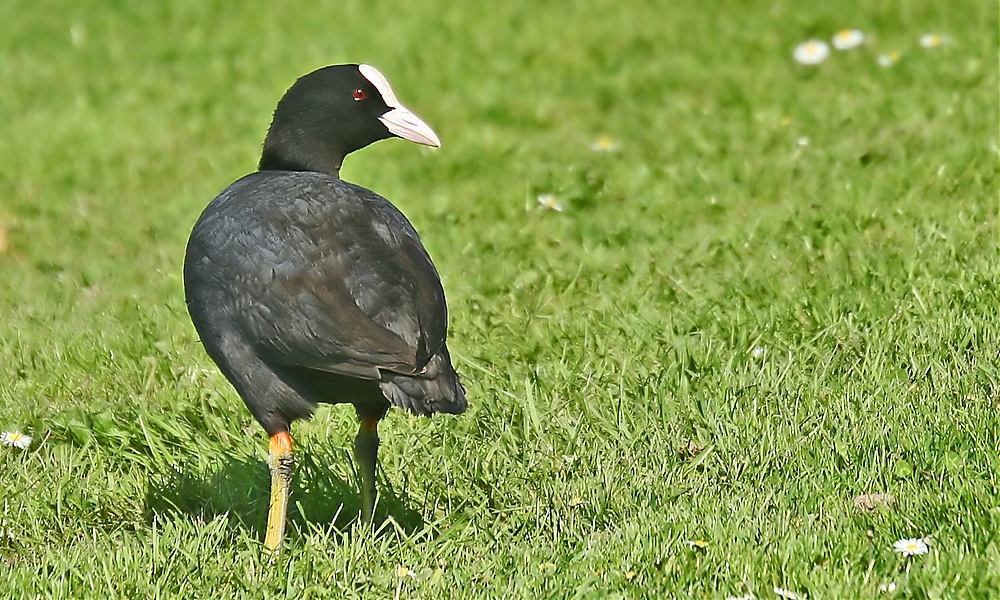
[{"x": 305, "y": 288}]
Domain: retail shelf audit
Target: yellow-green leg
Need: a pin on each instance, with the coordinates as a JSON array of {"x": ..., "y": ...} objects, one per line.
[
  {"x": 280, "y": 460},
  {"x": 366, "y": 453}
]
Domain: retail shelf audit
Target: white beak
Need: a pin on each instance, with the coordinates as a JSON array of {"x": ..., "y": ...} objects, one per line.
[{"x": 400, "y": 121}]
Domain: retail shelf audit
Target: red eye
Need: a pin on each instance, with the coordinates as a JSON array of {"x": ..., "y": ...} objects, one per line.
[{"x": 360, "y": 94}]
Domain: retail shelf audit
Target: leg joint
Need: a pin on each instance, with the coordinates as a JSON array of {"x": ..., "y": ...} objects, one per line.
[{"x": 280, "y": 457}]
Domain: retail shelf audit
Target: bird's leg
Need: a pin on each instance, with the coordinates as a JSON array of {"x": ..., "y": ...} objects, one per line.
[
  {"x": 281, "y": 461},
  {"x": 366, "y": 453}
]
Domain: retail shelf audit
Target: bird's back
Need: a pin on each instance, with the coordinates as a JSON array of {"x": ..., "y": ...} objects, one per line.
[{"x": 318, "y": 275}]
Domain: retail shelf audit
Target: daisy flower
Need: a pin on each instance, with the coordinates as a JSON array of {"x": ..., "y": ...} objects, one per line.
[
  {"x": 16, "y": 438},
  {"x": 605, "y": 143},
  {"x": 757, "y": 352},
  {"x": 934, "y": 40},
  {"x": 696, "y": 544},
  {"x": 404, "y": 571},
  {"x": 911, "y": 546},
  {"x": 888, "y": 59},
  {"x": 743, "y": 597},
  {"x": 845, "y": 39},
  {"x": 551, "y": 202},
  {"x": 812, "y": 52},
  {"x": 787, "y": 594},
  {"x": 887, "y": 587}
]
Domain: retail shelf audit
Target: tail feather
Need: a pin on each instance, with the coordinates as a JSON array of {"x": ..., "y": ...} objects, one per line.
[{"x": 436, "y": 389}]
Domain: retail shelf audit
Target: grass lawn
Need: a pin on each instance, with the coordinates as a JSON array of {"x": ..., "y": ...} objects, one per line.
[{"x": 776, "y": 292}]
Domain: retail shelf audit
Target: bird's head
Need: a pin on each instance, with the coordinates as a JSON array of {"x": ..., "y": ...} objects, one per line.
[{"x": 332, "y": 112}]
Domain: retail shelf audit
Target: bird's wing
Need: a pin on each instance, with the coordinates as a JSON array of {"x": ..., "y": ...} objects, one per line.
[{"x": 341, "y": 282}]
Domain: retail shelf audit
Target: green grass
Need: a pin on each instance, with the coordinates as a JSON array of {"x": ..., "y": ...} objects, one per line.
[{"x": 617, "y": 405}]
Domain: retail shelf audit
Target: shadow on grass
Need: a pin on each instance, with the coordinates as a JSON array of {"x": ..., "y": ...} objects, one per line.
[{"x": 240, "y": 489}]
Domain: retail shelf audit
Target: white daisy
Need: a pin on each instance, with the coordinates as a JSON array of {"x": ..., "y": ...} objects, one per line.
[
  {"x": 887, "y": 587},
  {"x": 812, "y": 52},
  {"x": 404, "y": 571},
  {"x": 888, "y": 59},
  {"x": 605, "y": 143},
  {"x": 787, "y": 594},
  {"x": 757, "y": 352},
  {"x": 802, "y": 141},
  {"x": 551, "y": 202},
  {"x": 845, "y": 39},
  {"x": 747, "y": 596},
  {"x": 15, "y": 438},
  {"x": 911, "y": 546},
  {"x": 934, "y": 40},
  {"x": 696, "y": 544}
]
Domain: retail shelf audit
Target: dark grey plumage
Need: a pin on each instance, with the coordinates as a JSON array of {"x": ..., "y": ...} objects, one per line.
[{"x": 308, "y": 289}]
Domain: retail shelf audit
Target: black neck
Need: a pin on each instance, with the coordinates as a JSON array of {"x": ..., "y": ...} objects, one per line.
[
  {"x": 289, "y": 148},
  {"x": 276, "y": 160}
]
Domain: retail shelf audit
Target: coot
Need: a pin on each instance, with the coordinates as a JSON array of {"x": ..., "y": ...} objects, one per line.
[{"x": 305, "y": 288}]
